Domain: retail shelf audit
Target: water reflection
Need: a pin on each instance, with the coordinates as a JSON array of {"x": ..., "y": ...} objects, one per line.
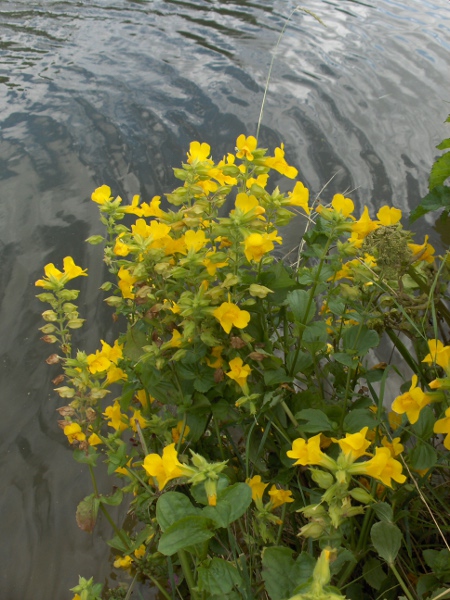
[{"x": 113, "y": 92}]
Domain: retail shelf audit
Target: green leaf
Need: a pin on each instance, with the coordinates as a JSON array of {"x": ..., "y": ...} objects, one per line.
[
  {"x": 134, "y": 341},
  {"x": 173, "y": 506},
  {"x": 373, "y": 573},
  {"x": 218, "y": 577},
  {"x": 302, "y": 363},
  {"x": 89, "y": 457},
  {"x": 439, "y": 561},
  {"x": 316, "y": 421},
  {"x": 276, "y": 376},
  {"x": 315, "y": 336},
  {"x": 188, "y": 531},
  {"x": 359, "y": 339},
  {"x": 438, "y": 197},
  {"x": 444, "y": 144},
  {"x": 426, "y": 583},
  {"x": 113, "y": 500},
  {"x": 231, "y": 504},
  {"x": 346, "y": 359},
  {"x": 383, "y": 511},
  {"x": 387, "y": 539},
  {"x": 440, "y": 171},
  {"x": 86, "y": 514},
  {"x": 300, "y": 303},
  {"x": 358, "y": 418},
  {"x": 282, "y": 574},
  {"x": 423, "y": 456},
  {"x": 423, "y": 428},
  {"x": 441, "y": 594}
]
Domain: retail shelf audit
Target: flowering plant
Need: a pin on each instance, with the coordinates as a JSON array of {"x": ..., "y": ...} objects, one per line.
[{"x": 242, "y": 411}]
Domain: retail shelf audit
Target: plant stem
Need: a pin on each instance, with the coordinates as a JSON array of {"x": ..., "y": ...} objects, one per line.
[
  {"x": 184, "y": 561},
  {"x": 401, "y": 582}
]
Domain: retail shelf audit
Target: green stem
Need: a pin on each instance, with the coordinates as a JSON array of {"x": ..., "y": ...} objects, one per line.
[
  {"x": 401, "y": 582},
  {"x": 184, "y": 561},
  {"x": 113, "y": 525},
  {"x": 287, "y": 410}
]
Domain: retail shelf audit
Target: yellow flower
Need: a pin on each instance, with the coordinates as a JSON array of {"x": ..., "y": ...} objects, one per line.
[
  {"x": 389, "y": 215},
  {"x": 443, "y": 426},
  {"x": 139, "y": 552},
  {"x": 164, "y": 468},
  {"x": 411, "y": 402},
  {"x": 123, "y": 562},
  {"x": 137, "y": 418},
  {"x": 394, "y": 419},
  {"x": 74, "y": 433},
  {"x": 395, "y": 447},
  {"x": 152, "y": 209},
  {"x": 439, "y": 354},
  {"x": 229, "y": 315},
  {"x": 54, "y": 276},
  {"x": 342, "y": 205},
  {"x": 126, "y": 282},
  {"x": 102, "y": 194},
  {"x": 246, "y": 146},
  {"x": 261, "y": 180},
  {"x": 115, "y": 374},
  {"x": 257, "y": 487},
  {"x": 94, "y": 440},
  {"x": 423, "y": 251},
  {"x": 239, "y": 372},
  {"x": 144, "y": 398},
  {"x": 364, "y": 226},
  {"x": 309, "y": 453},
  {"x": 279, "y": 497},
  {"x": 176, "y": 432},
  {"x": 278, "y": 163},
  {"x": 97, "y": 363},
  {"x": 258, "y": 244},
  {"x": 118, "y": 420},
  {"x": 354, "y": 445},
  {"x": 246, "y": 204},
  {"x": 216, "y": 354},
  {"x": 212, "y": 266},
  {"x": 120, "y": 248},
  {"x": 198, "y": 152},
  {"x": 382, "y": 467},
  {"x": 300, "y": 197},
  {"x": 217, "y": 174},
  {"x": 195, "y": 240}
]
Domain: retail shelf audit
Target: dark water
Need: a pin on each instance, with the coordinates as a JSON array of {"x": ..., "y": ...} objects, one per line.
[{"x": 113, "y": 91}]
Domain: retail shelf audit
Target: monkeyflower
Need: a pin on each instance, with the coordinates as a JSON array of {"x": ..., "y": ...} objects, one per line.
[
  {"x": 56, "y": 278},
  {"x": 246, "y": 146},
  {"x": 246, "y": 203},
  {"x": 300, "y": 197},
  {"x": 422, "y": 252},
  {"x": 354, "y": 445},
  {"x": 308, "y": 452},
  {"x": 164, "y": 468},
  {"x": 229, "y": 315},
  {"x": 363, "y": 226},
  {"x": 117, "y": 420},
  {"x": 344, "y": 206},
  {"x": 239, "y": 373},
  {"x": 388, "y": 216},
  {"x": 126, "y": 282},
  {"x": 198, "y": 152},
  {"x": 442, "y": 426},
  {"x": 257, "y": 486},
  {"x": 278, "y": 163},
  {"x": 382, "y": 466},
  {"x": 439, "y": 354},
  {"x": 102, "y": 194},
  {"x": 279, "y": 497},
  {"x": 411, "y": 402},
  {"x": 258, "y": 244},
  {"x": 74, "y": 433}
]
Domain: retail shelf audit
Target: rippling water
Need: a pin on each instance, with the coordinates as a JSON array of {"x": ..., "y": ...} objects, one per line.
[{"x": 113, "y": 92}]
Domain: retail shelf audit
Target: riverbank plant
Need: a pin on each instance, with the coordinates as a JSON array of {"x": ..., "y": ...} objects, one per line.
[{"x": 275, "y": 427}]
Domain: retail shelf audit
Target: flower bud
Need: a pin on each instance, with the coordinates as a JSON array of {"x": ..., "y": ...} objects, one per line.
[
  {"x": 49, "y": 315},
  {"x": 49, "y": 328},
  {"x": 323, "y": 479},
  {"x": 361, "y": 495},
  {"x": 260, "y": 291}
]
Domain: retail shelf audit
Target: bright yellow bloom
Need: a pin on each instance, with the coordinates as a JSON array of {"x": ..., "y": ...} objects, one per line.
[
  {"x": 137, "y": 418},
  {"x": 246, "y": 146},
  {"x": 279, "y": 497},
  {"x": 97, "y": 363},
  {"x": 443, "y": 426},
  {"x": 354, "y": 445},
  {"x": 308, "y": 452},
  {"x": 152, "y": 209},
  {"x": 144, "y": 398},
  {"x": 395, "y": 447},
  {"x": 261, "y": 180},
  {"x": 54, "y": 275},
  {"x": 423, "y": 251},
  {"x": 102, "y": 194},
  {"x": 126, "y": 282},
  {"x": 411, "y": 402},
  {"x": 439, "y": 354},
  {"x": 198, "y": 152},
  {"x": 120, "y": 248},
  {"x": 216, "y": 354},
  {"x": 164, "y": 468},
  {"x": 257, "y": 486},
  {"x": 239, "y": 372},
  {"x": 94, "y": 440},
  {"x": 258, "y": 244},
  {"x": 195, "y": 240},
  {"x": 229, "y": 315},
  {"x": 394, "y": 419},
  {"x": 382, "y": 467},
  {"x": 118, "y": 420},
  {"x": 278, "y": 163},
  {"x": 212, "y": 266},
  {"x": 364, "y": 226},
  {"x": 300, "y": 197},
  {"x": 176, "y": 432},
  {"x": 389, "y": 215},
  {"x": 246, "y": 203},
  {"x": 217, "y": 174},
  {"x": 122, "y": 562},
  {"x": 342, "y": 205},
  {"x": 115, "y": 374},
  {"x": 74, "y": 433},
  {"x": 139, "y": 552}
]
